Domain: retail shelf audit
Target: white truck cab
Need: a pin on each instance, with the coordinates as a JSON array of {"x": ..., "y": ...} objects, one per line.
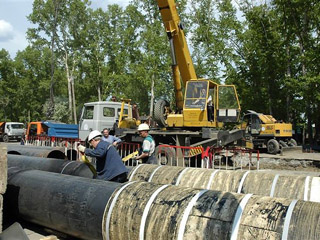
[
  {"x": 11, "y": 131},
  {"x": 99, "y": 115}
]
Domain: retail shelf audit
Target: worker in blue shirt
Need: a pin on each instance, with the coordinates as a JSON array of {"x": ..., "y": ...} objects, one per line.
[
  {"x": 109, "y": 138},
  {"x": 109, "y": 163}
]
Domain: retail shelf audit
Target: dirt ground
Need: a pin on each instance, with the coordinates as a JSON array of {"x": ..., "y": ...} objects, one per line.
[{"x": 292, "y": 160}]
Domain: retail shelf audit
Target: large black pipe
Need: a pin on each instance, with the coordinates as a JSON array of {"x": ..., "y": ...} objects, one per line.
[
  {"x": 69, "y": 204},
  {"x": 45, "y": 152},
  {"x": 75, "y": 168}
]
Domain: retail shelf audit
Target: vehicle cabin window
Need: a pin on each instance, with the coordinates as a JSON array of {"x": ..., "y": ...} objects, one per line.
[
  {"x": 125, "y": 111},
  {"x": 33, "y": 129},
  {"x": 88, "y": 112},
  {"x": 108, "y": 112},
  {"x": 196, "y": 94},
  {"x": 255, "y": 129},
  {"x": 17, "y": 126},
  {"x": 227, "y": 98}
]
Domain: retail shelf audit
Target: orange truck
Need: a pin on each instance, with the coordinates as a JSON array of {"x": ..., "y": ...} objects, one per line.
[{"x": 47, "y": 130}]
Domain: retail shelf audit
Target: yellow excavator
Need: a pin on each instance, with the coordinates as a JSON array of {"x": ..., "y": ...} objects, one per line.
[{"x": 265, "y": 132}]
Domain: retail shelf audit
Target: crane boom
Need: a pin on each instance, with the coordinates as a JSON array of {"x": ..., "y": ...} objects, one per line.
[{"x": 181, "y": 60}]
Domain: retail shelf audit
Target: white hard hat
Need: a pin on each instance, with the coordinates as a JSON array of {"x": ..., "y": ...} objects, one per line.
[
  {"x": 143, "y": 127},
  {"x": 93, "y": 134}
]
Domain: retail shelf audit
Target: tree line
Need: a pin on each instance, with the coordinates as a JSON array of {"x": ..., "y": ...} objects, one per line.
[{"x": 77, "y": 54}]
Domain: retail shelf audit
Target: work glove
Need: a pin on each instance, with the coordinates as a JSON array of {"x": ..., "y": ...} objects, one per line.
[{"x": 81, "y": 148}]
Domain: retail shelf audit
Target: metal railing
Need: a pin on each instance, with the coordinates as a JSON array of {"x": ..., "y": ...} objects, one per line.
[
  {"x": 126, "y": 151},
  {"x": 231, "y": 158},
  {"x": 180, "y": 156},
  {"x": 211, "y": 157},
  {"x": 46, "y": 141}
]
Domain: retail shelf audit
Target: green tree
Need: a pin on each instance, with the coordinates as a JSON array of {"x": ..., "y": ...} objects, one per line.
[
  {"x": 300, "y": 24},
  {"x": 47, "y": 15},
  {"x": 33, "y": 72},
  {"x": 8, "y": 86}
]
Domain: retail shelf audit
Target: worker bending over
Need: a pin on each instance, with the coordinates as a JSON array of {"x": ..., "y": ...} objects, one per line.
[
  {"x": 109, "y": 163},
  {"x": 146, "y": 153}
]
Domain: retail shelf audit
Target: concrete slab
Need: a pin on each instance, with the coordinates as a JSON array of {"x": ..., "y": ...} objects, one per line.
[
  {"x": 1, "y": 206},
  {"x": 3, "y": 168},
  {"x": 37, "y": 236}
]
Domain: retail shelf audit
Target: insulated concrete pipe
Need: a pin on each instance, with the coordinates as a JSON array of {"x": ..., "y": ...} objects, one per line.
[
  {"x": 141, "y": 210},
  {"x": 75, "y": 168},
  {"x": 94, "y": 209},
  {"x": 68, "y": 204},
  {"x": 256, "y": 182},
  {"x": 45, "y": 152}
]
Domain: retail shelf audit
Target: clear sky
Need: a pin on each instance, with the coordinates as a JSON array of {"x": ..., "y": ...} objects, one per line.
[{"x": 14, "y": 23}]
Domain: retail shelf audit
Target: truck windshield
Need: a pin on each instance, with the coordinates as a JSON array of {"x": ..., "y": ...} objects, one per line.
[
  {"x": 17, "y": 126},
  {"x": 196, "y": 94}
]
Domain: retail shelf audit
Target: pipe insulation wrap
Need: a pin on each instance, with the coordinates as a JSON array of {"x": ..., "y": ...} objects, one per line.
[
  {"x": 142, "y": 210},
  {"x": 94, "y": 209},
  {"x": 69, "y": 204},
  {"x": 264, "y": 183}
]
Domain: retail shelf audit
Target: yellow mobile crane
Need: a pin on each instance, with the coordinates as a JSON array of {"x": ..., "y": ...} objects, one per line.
[
  {"x": 196, "y": 120},
  {"x": 192, "y": 107}
]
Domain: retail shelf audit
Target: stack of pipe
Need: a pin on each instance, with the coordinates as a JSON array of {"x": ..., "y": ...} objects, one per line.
[
  {"x": 150, "y": 206},
  {"x": 75, "y": 168},
  {"x": 42, "y": 151},
  {"x": 142, "y": 210},
  {"x": 265, "y": 183},
  {"x": 94, "y": 209}
]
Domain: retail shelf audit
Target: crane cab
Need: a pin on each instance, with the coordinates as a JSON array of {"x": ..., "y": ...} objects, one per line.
[{"x": 207, "y": 104}]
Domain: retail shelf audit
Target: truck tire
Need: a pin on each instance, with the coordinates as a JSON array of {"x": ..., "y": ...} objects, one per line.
[
  {"x": 167, "y": 156},
  {"x": 273, "y": 146},
  {"x": 5, "y": 138},
  {"x": 160, "y": 112},
  {"x": 292, "y": 142}
]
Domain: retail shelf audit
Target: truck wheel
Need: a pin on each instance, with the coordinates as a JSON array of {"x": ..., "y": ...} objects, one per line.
[
  {"x": 6, "y": 138},
  {"x": 292, "y": 142},
  {"x": 160, "y": 115},
  {"x": 166, "y": 156},
  {"x": 273, "y": 146}
]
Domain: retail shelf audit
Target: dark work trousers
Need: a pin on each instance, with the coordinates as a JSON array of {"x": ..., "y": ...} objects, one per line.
[
  {"x": 149, "y": 160},
  {"x": 152, "y": 159},
  {"x": 210, "y": 112}
]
